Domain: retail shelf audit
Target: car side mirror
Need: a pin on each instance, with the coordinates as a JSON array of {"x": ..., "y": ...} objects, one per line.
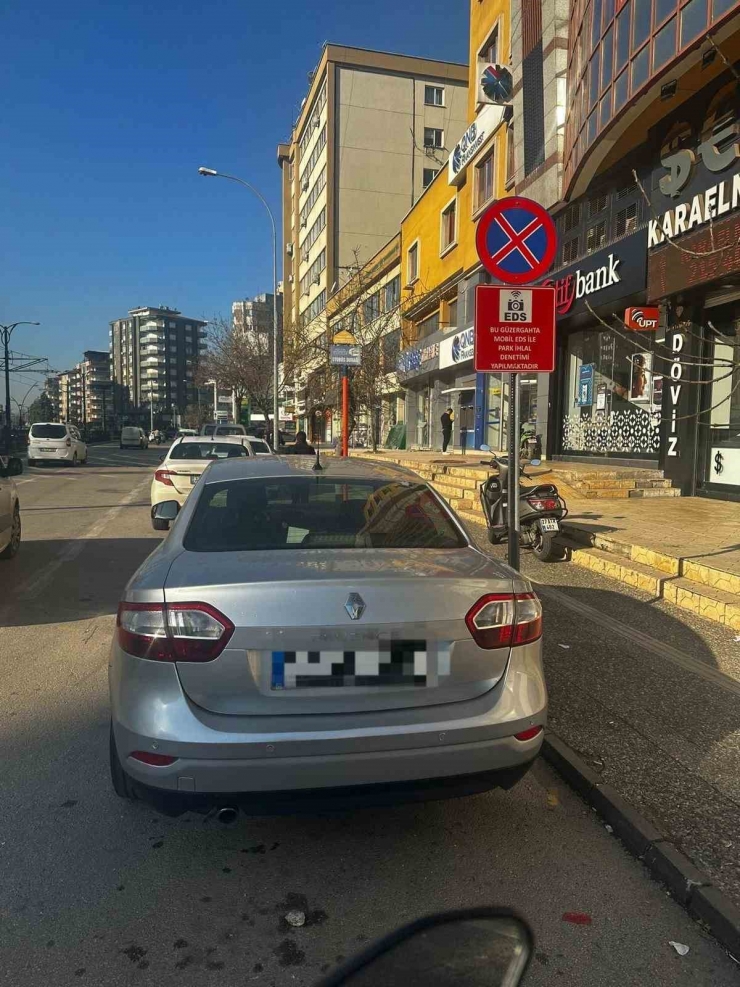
[
  {"x": 484, "y": 448},
  {"x": 166, "y": 511},
  {"x": 535, "y": 462},
  {"x": 490, "y": 947},
  {"x": 12, "y": 467}
]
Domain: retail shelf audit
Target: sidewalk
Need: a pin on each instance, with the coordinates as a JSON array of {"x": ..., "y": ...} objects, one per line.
[{"x": 683, "y": 549}]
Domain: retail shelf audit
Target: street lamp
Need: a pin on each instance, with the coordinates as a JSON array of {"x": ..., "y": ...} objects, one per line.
[
  {"x": 5, "y": 333},
  {"x": 21, "y": 405},
  {"x": 210, "y": 172}
]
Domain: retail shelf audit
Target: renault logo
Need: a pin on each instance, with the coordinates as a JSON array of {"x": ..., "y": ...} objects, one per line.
[{"x": 355, "y": 606}]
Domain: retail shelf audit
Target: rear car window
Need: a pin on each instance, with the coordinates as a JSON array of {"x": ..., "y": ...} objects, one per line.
[
  {"x": 318, "y": 512},
  {"x": 229, "y": 430},
  {"x": 207, "y": 450},
  {"x": 48, "y": 431},
  {"x": 259, "y": 446}
]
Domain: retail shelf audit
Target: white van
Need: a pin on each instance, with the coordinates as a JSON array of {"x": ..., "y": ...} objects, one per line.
[
  {"x": 57, "y": 442},
  {"x": 132, "y": 435}
]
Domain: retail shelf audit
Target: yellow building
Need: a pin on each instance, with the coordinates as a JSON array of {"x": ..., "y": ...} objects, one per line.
[{"x": 439, "y": 263}]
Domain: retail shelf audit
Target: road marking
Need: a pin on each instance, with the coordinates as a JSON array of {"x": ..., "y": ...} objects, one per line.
[
  {"x": 658, "y": 648},
  {"x": 33, "y": 586}
]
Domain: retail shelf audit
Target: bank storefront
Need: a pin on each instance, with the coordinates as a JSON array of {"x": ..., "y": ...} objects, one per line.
[
  {"x": 607, "y": 389},
  {"x": 694, "y": 274}
]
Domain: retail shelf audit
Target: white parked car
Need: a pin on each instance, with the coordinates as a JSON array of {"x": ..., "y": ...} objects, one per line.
[
  {"x": 10, "y": 511},
  {"x": 189, "y": 456},
  {"x": 55, "y": 442},
  {"x": 222, "y": 428},
  {"x": 132, "y": 435}
]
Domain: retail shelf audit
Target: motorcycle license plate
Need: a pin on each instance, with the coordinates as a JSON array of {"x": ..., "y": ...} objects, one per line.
[{"x": 549, "y": 524}]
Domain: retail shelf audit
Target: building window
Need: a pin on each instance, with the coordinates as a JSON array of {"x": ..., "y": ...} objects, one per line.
[
  {"x": 452, "y": 312},
  {"x": 429, "y": 325},
  {"x": 371, "y": 308},
  {"x": 434, "y": 95},
  {"x": 510, "y": 156},
  {"x": 572, "y": 218},
  {"x": 392, "y": 292},
  {"x": 489, "y": 51},
  {"x": 429, "y": 176},
  {"x": 597, "y": 204},
  {"x": 664, "y": 44},
  {"x": 626, "y": 220},
  {"x": 412, "y": 264},
  {"x": 449, "y": 226},
  {"x": 570, "y": 250},
  {"x": 595, "y": 237},
  {"x": 484, "y": 181},
  {"x": 434, "y": 137}
]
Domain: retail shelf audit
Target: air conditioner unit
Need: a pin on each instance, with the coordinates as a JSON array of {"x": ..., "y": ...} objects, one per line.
[{"x": 289, "y": 250}]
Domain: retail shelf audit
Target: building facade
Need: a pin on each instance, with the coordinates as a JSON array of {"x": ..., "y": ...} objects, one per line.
[
  {"x": 372, "y": 132},
  {"x": 154, "y": 354}
]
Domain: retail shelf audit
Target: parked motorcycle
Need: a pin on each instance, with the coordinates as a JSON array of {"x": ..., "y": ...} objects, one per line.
[{"x": 541, "y": 509}]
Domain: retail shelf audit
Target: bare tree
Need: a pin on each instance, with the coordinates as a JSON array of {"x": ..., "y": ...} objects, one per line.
[{"x": 240, "y": 361}]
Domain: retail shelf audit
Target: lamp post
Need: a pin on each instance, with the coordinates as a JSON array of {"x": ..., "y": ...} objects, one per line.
[
  {"x": 5, "y": 333},
  {"x": 22, "y": 404},
  {"x": 210, "y": 172}
]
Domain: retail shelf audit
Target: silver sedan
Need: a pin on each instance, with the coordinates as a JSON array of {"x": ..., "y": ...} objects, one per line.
[{"x": 307, "y": 636}]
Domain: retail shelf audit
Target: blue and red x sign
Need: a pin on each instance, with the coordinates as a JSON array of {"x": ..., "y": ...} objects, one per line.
[{"x": 516, "y": 240}]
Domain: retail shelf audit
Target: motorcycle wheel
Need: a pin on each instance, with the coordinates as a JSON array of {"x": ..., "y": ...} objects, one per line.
[{"x": 545, "y": 549}]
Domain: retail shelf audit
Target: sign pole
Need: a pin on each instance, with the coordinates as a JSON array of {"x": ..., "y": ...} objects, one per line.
[
  {"x": 513, "y": 491},
  {"x": 345, "y": 411}
]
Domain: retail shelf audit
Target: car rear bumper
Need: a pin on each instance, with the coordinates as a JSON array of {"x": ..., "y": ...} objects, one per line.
[
  {"x": 55, "y": 455},
  {"x": 228, "y": 759},
  {"x": 160, "y": 494}
]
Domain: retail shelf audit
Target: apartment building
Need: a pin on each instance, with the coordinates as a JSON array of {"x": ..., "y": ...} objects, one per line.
[
  {"x": 154, "y": 353},
  {"x": 52, "y": 390},
  {"x": 372, "y": 133},
  {"x": 256, "y": 314}
]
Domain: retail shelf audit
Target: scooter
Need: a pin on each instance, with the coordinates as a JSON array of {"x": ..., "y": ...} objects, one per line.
[
  {"x": 476, "y": 947},
  {"x": 541, "y": 509}
]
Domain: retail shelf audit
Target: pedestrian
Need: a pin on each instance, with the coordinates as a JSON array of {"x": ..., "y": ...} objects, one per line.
[
  {"x": 447, "y": 419},
  {"x": 301, "y": 447}
]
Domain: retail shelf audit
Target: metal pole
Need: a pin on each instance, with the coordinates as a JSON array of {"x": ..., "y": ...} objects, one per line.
[
  {"x": 151, "y": 408},
  {"x": 512, "y": 510},
  {"x": 6, "y": 346},
  {"x": 345, "y": 412}
]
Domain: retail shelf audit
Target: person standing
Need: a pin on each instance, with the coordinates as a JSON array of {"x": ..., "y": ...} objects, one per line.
[{"x": 447, "y": 419}]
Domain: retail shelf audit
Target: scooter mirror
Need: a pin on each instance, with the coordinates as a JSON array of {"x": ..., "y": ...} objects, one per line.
[
  {"x": 484, "y": 448},
  {"x": 479, "y": 947},
  {"x": 535, "y": 462}
]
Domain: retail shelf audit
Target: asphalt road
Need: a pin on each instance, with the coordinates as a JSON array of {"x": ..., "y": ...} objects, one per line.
[{"x": 95, "y": 890}]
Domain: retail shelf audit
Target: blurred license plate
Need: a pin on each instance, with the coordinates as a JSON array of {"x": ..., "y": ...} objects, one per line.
[
  {"x": 549, "y": 524},
  {"x": 46, "y": 449},
  {"x": 396, "y": 663},
  {"x": 193, "y": 478}
]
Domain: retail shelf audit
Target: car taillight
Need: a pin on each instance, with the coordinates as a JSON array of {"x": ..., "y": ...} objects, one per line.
[
  {"x": 163, "y": 476},
  {"x": 68, "y": 443},
  {"x": 502, "y": 620},
  {"x": 543, "y": 505},
  {"x": 158, "y": 760},
  {"x": 174, "y": 632}
]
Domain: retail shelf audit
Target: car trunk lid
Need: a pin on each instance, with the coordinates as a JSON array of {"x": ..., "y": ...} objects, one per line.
[{"x": 340, "y": 630}]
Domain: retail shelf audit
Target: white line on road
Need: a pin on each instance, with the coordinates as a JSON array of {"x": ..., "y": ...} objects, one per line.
[
  {"x": 658, "y": 648},
  {"x": 39, "y": 582}
]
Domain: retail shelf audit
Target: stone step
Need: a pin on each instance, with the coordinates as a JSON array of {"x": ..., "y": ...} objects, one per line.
[
  {"x": 448, "y": 490},
  {"x": 707, "y": 601},
  {"x": 589, "y": 484},
  {"x": 653, "y": 484},
  {"x": 626, "y": 571},
  {"x": 656, "y": 492}
]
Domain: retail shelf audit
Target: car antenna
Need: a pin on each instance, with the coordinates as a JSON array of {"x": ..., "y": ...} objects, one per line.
[{"x": 317, "y": 467}]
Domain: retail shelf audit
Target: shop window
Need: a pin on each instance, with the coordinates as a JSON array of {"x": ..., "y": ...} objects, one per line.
[
  {"x": 623, "y": 35},
  {"x": 640, "y": 68},
  {"x": 626, "y": 220},
  {"x": 484, "y": 173},
  {"x": 597, "y": 204},
  {"x": 412, "y": 263},
  {"x": 448, "y": 226},
  {"x": 570, "y": 250},
  {"x": 641, "y": 24},
  {"x": 693, "y": 21},
  {"x": 621, "y": 90},
  {"x": 607, "y": 55},
  {"x": 663, "y": 9},
  {"x": 429, "y": 176},
  {"x": 595, "y": 237},
  {"x": 664, "y": 44}
]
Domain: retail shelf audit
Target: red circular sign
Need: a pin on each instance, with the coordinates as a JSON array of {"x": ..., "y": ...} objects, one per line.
[{"x": 516, "y": 240}]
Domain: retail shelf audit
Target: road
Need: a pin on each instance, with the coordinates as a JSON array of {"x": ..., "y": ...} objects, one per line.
[{"x": 98, "y": 891}]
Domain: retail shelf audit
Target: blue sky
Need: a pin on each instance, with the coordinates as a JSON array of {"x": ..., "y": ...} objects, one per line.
[{"x": 109, "y": 108}]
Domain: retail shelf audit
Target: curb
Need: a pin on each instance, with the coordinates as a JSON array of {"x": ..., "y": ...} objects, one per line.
[{"x": 690, "y": 886}]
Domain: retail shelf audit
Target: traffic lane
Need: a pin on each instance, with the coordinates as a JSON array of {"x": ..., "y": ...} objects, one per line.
[
  {"x": 665, "y": 735},
  {"x": 127, "y": 893}
]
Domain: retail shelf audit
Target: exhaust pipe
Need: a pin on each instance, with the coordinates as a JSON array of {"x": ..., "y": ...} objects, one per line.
[{"x": 227, "y": 815}]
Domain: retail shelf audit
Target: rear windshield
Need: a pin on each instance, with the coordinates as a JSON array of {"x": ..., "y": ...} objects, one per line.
[
  {"x": 228, "y": 430},
  {"x": 209, "y": 429},
  {"x": 48, "y": 431},
  {"x": 318, "y": 512},
  {"x": 208, "y": 449},
  {"x": 259, "y": 446}
]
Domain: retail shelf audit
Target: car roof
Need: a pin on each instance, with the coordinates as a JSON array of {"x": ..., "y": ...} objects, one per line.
[
  {"x": 49, "y": 423},
  {"x": 285, "y": 466},
  {"x": 213, "y": 438}
]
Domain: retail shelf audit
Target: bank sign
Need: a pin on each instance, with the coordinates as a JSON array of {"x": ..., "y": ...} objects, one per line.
[
  {"x": 456, "y": 349},
  {"x": 471, "y": 142},
  {"x": 602, "y": 277}
]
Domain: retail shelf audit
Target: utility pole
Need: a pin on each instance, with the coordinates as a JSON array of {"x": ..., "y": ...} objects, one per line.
[{"x": 5, "y": 333}]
